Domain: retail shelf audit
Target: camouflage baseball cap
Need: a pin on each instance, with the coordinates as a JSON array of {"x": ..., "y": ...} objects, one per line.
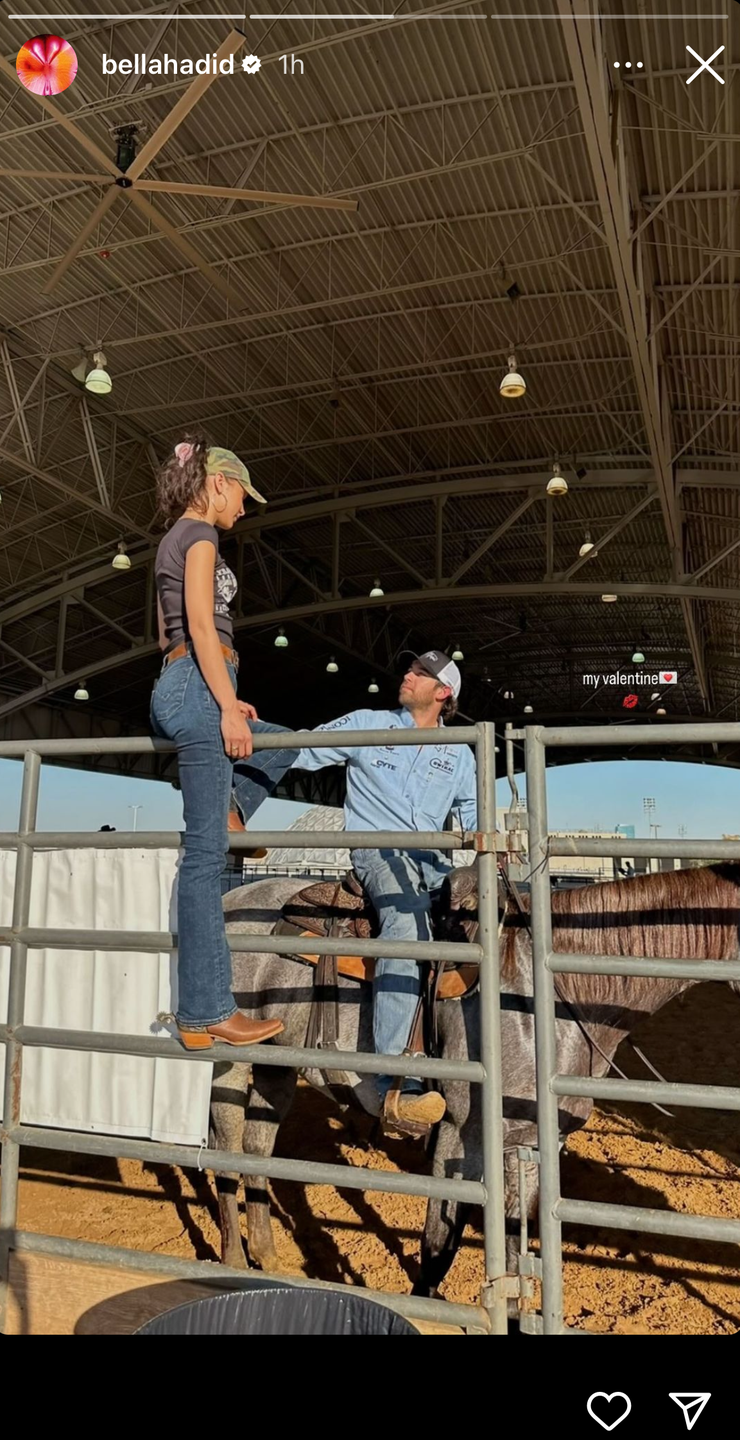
[{"x": 225, "y": 462}]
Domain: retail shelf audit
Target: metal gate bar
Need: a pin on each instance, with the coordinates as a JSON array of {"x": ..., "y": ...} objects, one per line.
[
  {"x": 490, "y": 1316},
  {"x": 553, "y": 1209}
]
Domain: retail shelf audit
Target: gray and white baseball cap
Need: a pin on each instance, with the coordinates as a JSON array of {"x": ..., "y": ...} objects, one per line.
[{"x": 441, "y": 667}]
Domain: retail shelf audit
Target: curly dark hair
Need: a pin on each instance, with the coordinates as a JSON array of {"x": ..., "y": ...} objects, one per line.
[
  {"x": 181, "y": 486},
  {"x": 449, "y": 709}
]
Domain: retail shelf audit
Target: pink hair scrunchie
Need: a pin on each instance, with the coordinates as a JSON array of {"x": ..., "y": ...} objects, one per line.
[{"x": 184, "y": 452}]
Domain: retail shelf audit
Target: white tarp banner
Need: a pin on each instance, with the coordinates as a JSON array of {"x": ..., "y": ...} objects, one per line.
[{"x": 114, "y": 992}]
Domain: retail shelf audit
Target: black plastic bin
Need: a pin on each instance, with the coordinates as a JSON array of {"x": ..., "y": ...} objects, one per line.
[{"x": 289, "y": 1310}]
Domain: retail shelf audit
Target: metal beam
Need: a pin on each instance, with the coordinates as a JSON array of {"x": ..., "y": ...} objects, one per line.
[
  {"x": 15, "y": 400},
  {"x": 92, "y": 446},
  {"x": 490, "y": 540}
]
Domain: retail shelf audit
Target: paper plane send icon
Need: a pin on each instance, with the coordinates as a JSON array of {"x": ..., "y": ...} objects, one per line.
[{"x": 692, "y": 1403}]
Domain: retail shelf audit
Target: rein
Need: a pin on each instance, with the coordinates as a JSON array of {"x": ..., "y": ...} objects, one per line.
[{"x": 515, "y": 897}]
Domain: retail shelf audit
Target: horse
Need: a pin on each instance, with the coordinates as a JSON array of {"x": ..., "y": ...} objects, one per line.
[{"x": 689, "y": 914}]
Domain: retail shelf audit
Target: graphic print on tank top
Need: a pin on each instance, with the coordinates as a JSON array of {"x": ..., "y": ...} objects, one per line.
[{"x": 224, "y": 588}]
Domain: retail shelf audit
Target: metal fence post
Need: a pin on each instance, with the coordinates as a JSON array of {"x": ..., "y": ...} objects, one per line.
[
  {"x": 494, "y": 1232},
  {"x": 548, "y": 1129},
  {"x": 16, "y": 1006}
]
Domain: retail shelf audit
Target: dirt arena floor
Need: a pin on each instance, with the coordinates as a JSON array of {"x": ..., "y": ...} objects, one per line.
[{"x": 628, "y": 1155}]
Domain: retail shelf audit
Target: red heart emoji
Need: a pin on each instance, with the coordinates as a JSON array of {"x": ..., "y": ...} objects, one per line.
[{"x": 669, "y": 676}]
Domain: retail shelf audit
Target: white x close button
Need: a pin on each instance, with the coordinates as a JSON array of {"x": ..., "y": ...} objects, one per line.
[{"x": 705, "y": 65}]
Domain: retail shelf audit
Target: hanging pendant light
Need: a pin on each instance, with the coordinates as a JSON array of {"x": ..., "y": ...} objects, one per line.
[
  {"x": 655, "y": 695},
  {"x": 508, "y": 694},
  {"x": 281, "y": 640},
  {"x": 81, "y": 693},
  {"x": 528, "y": 709},
  {"x": 332, "y": 667},
  {"x": 513, "y": 386},
  {"x": 457, "y": 655},
  {"x": 609, "y": 599},
  {"x": 557, "y": 484},
  {"x": 98, "y": 381},
  {"x": 121, "y": 560},
  {"x": 660, "y": 710},
  {"x": 587, "y": 546},
  {"x": 373, "y": 688},
  {"x": 638, "y": 658},
  {"x": 377, "y": 591}
]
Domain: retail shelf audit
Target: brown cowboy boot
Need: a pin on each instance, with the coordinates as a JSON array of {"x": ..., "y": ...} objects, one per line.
[
  {"x": 235, "y": 826},
  {"x": 237, "y": 1030},
  {"x": 413, "y": 1113}
]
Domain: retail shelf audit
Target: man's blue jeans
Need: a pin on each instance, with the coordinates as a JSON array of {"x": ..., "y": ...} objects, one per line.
[
  {"x": 184, "y": 710},
  {"x": 401, "y": 885}
]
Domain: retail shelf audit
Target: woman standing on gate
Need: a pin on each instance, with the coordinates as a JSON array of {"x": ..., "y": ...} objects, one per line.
[{"x": 201, "y": 491}]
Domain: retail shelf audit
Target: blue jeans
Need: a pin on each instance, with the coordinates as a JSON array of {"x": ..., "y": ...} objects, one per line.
[
  {"x": 183, "y": 710},
  {"x": 400, "y": 885}
]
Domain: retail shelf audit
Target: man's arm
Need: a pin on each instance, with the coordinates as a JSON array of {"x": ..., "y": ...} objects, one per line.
[{"x": 335, "y": 754}]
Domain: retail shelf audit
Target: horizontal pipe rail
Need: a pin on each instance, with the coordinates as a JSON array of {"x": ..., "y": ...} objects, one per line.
[
  {"x": 225, "y": 1162},
  {"x": 650, "y": 1222},
  {"x": 649, "y": 1092},
  {"x": 283, "y": 740},
  {"x": 151, "y": 1047},
  {"x": 727, "y": 733},
  {"x": 563, "y": 964},
  {"x": 158, "y": 940},
  {"x": 651, "y": 849},
  {"x": 223, "y": 1277},
  {"x": 254, "y": 839}
]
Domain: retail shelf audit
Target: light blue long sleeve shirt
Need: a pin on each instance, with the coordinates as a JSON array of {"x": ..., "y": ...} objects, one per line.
[{"x": 398, "y": 787}]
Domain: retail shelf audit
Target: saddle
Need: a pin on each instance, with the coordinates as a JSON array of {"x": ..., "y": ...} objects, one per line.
[{"x": 342, "y": 910}]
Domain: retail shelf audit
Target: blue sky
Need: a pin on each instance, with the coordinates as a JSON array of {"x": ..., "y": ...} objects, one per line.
[{"x": 704, "y": 798}]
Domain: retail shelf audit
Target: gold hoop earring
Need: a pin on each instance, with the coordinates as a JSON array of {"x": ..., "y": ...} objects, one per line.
[{"x": 223, "y": 507}]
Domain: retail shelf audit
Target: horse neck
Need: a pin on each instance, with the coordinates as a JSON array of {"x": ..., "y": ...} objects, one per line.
[{"x": 684, "y": 915}]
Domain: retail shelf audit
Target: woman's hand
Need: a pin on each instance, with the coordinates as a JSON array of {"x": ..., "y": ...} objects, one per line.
[
  {"x": 248, "y": 711},
  {"x": 237, "y": 736}
]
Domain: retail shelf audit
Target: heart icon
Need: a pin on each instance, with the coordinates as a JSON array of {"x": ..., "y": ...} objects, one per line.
[{"x": 616, "y": 1395}]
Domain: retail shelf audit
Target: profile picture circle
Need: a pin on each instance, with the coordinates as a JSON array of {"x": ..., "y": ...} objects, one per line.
[{"x": 46, "y": 65}]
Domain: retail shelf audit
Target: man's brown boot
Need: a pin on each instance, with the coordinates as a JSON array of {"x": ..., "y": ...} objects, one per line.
[{"x": 424, "y": 1109}]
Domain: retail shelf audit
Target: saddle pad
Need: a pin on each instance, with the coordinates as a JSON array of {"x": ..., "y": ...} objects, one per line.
[{"x": 454, "y": 984}]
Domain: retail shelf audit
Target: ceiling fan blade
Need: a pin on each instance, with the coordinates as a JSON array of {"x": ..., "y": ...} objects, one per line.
[
  {"x": 184, "y": 246},
  {"x": 181, "y": 110},
  {"x": 227, "y": 192},
  {"x": 56, "y": 175},
  {"x": 100, "y": 210},
  {"x": 98, "y": 155}
]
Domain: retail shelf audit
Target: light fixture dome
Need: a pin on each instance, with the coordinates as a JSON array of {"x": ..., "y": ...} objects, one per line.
[
  {"x": 457, "y": 654},
  {"x": 660, "y": 710},
  {"x": 98, "y": 381},
  {"x": 332, "y": 667},
  {"x": 121, "y": 560},
  {"x": 377, "y": 591},
  {"x": 528, "y": 709},
  {"x": 513, "y": 386},
  {"x": 373, "y": 687},
  {"x": 638, "y": 658},
  {"x": 81, "y": 693},
  {"x": 655, "y": 695},
  {"x": 609, "y": 599},
  {"x": 508, "y": 694},
  {"x": 557, "y": 484},
  {"x": 281, "y": 640},
  {"x": 587, "y": 546}
]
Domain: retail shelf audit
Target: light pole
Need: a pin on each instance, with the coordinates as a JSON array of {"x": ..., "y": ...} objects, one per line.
[{"x": 136, "y": 809}]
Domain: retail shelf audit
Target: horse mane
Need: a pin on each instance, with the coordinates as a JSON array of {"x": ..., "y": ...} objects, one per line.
[{"x": 689, "y": 914}]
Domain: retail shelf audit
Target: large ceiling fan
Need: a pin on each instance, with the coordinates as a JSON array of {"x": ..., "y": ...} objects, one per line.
[{"x": 124, "y": 177}]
